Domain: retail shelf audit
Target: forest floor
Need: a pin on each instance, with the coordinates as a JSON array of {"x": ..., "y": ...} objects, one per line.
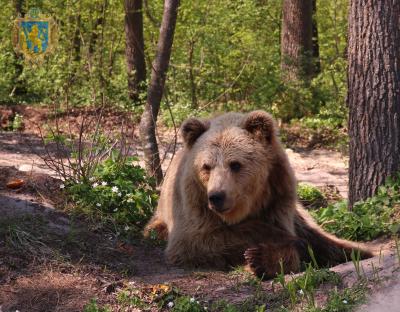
[{"x": 52, "y": 260}]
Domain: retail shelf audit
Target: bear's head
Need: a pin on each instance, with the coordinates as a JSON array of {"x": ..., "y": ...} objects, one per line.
[{"x": 232, "y": 158}]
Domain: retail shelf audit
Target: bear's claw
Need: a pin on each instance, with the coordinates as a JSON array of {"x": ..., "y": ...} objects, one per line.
[{"x": 254, "y": 259}]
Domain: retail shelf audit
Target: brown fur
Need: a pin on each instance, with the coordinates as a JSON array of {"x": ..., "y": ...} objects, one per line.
[{"x": 262, "y": 221}]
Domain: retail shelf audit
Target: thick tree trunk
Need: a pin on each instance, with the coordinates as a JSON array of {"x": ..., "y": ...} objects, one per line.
[
  {"x": 316, "y": 59},
  {"x": 373, "y": 95},
  {"x": 134, "y": 49},
  {"x": 155, "y": 90},
  {"x": 297, "y": 40}
]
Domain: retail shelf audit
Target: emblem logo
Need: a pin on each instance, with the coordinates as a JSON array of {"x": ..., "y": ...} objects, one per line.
[{"x": 34, "y": 36}]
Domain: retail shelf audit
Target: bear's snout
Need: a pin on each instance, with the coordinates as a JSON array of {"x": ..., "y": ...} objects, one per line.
[{"x": 216, "y": 201}]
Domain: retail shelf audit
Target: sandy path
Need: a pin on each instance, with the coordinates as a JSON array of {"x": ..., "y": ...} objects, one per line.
[{"x": 317, "y": 167}]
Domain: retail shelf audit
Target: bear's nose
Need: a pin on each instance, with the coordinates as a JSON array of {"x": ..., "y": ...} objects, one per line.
[{"x": 217, "y": 200}]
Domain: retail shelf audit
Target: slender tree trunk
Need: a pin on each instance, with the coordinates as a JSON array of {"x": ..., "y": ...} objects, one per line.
[
  {"x": 95, "y": 33},
  {"x": 316, "y": 59},
  {"x": 134, "y": 49},
  {"x": 155, "y": 90},
  {"x": 297, "y": 40},
  {"x": 373, "y": 95},
  {"x": 192, "y": 81},
  {"x": 77, "y": 38},
  {"x": 19, "y": 84}
]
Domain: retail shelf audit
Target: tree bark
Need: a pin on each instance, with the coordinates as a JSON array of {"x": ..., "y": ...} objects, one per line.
[
  {"x": 316, "y": 59},
  {"x": 155, "y": 90},
  {"x": 134, "y": 49},
  {"x": 373, "y": 95},
  {"x": 77, "y": 38},
  {"x": 95, "y": 33},
  {"x": 297, "y": 40},
  {"x": 18, "y": 82}
]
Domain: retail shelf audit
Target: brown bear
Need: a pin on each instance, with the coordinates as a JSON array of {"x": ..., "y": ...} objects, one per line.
[{"x": 229, "y": 198}]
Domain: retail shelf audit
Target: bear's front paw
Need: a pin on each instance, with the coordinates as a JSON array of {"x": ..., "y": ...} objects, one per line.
[{"x": 255, "y": 262}]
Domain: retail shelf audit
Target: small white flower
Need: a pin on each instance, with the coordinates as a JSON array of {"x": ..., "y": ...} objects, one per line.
[
  {"x": 95, "y": 184},
  {"x": 92, "y": 179},
  {"x": 192, "y": 299},
  {"x": 114, "y": 189},
  {"x": 301, "y": 292},
  {"x": 344, "y": 301},
  {"x": 129, "y": 200},
  {"x": 104, "y": 183},
  {"x": 116, "y": 209},
  {"x": 119, "y": 194},
  {"x": 62, "y": 186},
  {"x": 198, "y": 302},
  {"x": 170, "y": 304},
  {"x": 126, "y": 228},
  {"x": 205, "y": 308},
  {"x": 98, "y": 205}
]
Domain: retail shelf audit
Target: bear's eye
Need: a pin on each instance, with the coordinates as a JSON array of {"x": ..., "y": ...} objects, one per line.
[
  {"x": 235, "y": 166},
  {"x": 206, "y": 167}
]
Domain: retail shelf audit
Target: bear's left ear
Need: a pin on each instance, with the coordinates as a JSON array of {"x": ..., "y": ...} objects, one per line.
[
  {"x": 261, "y": 125},
  {"x": 192, "y": 129}
]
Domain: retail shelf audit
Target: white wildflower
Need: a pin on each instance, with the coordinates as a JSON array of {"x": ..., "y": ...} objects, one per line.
[
  {"x": 116, "y": 209},
  {"x": 192, "y": 299},
  {"x": 95, "y": 184},
  {"x": 129, "y": 200},
  {"x": 126, "y": 228},
  {"x": 301, "y": 292},
  {"x": 92, "y": 179},
  {"x": 170, "y": 304},
  {"x": 344, "y": 301},
  {"x": 98, "y": 205},
  {"x": 119, "y": 194},
  {"x": 62, "y": 186},
  {"x": 114, "y": 189},
  {"x": 104, "y": 183}
]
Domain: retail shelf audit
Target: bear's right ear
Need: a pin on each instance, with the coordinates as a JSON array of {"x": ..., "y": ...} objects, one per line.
[{"x": 192, "y": 129}]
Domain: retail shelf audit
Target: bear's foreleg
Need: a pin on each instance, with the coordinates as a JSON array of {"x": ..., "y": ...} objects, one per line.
[
  {"x": 158, "y": 226},
  {"x": 266, "y": 260}
]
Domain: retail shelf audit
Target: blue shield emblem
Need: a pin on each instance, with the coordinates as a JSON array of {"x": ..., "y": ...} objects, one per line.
[{"x": 34, "y": 36}]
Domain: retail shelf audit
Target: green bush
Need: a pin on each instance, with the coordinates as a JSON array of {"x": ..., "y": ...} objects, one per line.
[
  {"x": 310, "y": 196},
  {"x": 118, "y": 190},
  {"x": 93, "y": 307},
  {"x": 368, "y": 219},
  {"x": 187, "y": 304}
]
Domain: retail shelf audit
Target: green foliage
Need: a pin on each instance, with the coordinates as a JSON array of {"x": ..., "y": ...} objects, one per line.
[
  {"x": 187, "y": 304},
  {"x": 17, "y": 123},
  {"x": 309, "y": 193},
  {"x": 126, "y": 299},
  {"x": 118, "y": 190},
  {"x": 235, "y": 68},
  {"x": 368, "y": 219},
  {"x": 93, "y": 307},
  {"x": 342, "y": 301},
  {"x": 302, "y": 288}
]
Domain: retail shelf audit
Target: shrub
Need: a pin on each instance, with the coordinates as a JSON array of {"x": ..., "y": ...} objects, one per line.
[
  {"x": 310, "y": 196},
  {"x": 119, "y": 190},
  {"x": 368, "y": 219}
]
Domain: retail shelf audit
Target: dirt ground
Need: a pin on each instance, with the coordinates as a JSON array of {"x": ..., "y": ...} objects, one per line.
[{"x": 51, "y": 260}]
